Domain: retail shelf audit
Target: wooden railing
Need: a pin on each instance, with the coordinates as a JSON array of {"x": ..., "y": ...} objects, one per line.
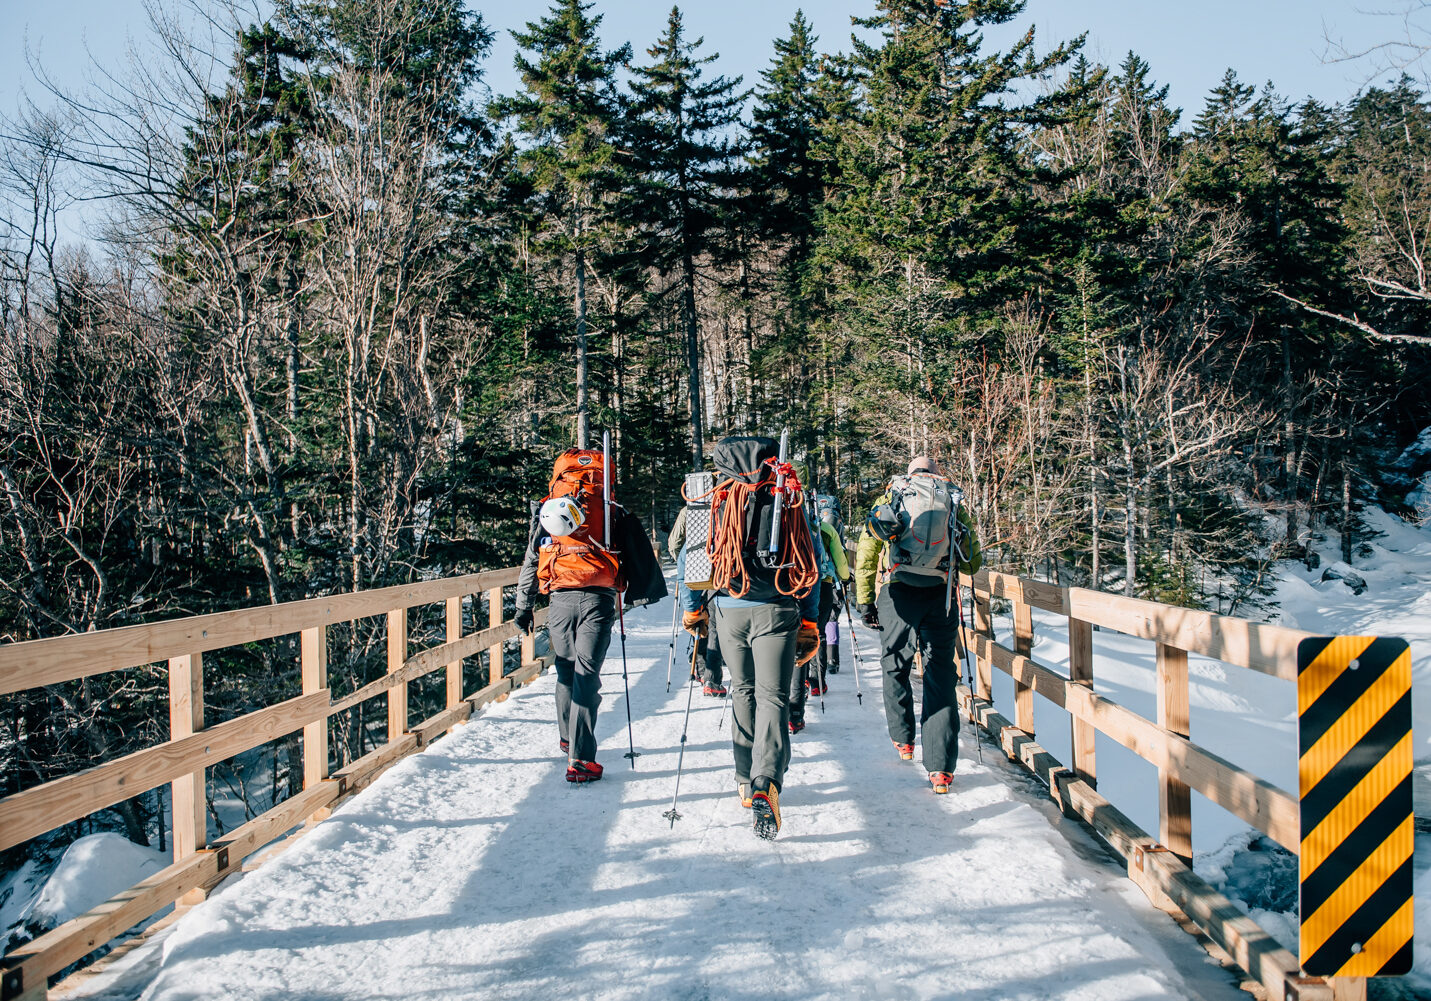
[
  {"x": 182, "y": 761},
  {"x": 1161, "y": 865}
]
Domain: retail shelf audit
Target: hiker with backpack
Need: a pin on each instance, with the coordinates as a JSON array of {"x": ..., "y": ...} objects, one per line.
[
  {"x": 833, "y": 566},
  {"x": 583, "y": 551},
  {"x": 917, "y": 535},
  {"x": 707, "y": 644},
  {"x": 832, "y": 528},
  {"x": 762, "y": 600}
]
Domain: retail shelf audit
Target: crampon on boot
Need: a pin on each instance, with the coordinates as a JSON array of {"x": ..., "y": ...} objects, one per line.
[
  {"x": 765, "y": 804},
  {"x": 583, "y": 771}
]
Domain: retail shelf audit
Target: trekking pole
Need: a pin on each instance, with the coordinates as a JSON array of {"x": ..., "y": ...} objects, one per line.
[
  {"x": 671, "y": 653},
  {"x": 632, "y": 754},
  {"x": 969, "y": 675},
  {"x": 855, "y": 649},
  {"x": 671, "y": 814}
]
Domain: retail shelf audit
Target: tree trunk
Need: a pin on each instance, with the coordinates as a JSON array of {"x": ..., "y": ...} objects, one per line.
[
  {"x": 693, "y": 359},
  {"x": 583, "y": 414}
]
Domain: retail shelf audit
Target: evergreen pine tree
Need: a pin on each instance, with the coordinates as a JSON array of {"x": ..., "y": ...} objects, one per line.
[
  {"x": 568, "y": 113},
  {"x": 686, "y": 159}
]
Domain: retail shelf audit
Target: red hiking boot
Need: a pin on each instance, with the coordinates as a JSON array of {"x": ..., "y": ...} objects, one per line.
[
  {"x": 583, "y": 771},
  {"x": 565, "y": 746},
  {"x": 715, "y": 691},
  {"x": 940, "y": 781},
  {"x": 906, "y": 751}
]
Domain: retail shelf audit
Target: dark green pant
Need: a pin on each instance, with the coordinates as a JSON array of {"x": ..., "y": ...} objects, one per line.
[
  {"x": 758, "y": 645},
  {"x": 914, "y": 618}
]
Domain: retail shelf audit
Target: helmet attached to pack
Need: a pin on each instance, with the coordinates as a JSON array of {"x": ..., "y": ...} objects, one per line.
[
  {"x": 887, "y": 522},
  {"x": 561, "y": 516}
]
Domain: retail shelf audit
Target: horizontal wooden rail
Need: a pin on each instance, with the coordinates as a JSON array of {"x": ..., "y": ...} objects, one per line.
[
  {"x": 1264, "y": 648},
  {"x": 42, "y": 808},
  {"x": 37, "y": 663},
  {"x": 1268, "y": 808},
  {"x": 36, "y": 961}
]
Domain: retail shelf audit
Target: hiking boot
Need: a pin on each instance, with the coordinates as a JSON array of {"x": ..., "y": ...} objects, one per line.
[
  {"x": 940, "y": 781},
  {"x": 583, "y": 771},
  {"x": 796, "y": 725},
  {"x": 906, "y": 751},
  {"x": 765, "y": 804},
  {"x": 715, "y": 690},
  {"x": 743, "y": 790},
  {"x": 565, "y": 746},
  {"x": 816, "y": 690}
]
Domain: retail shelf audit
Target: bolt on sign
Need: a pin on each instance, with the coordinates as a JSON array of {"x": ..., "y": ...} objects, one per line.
[{"x": 1354, "y": 722}]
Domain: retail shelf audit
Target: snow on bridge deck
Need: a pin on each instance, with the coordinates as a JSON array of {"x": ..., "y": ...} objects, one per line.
[{"x": 473, "y": 870}]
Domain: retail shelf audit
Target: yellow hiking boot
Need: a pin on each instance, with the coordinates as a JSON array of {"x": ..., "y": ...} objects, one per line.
[{"x": 765, "y": 804}]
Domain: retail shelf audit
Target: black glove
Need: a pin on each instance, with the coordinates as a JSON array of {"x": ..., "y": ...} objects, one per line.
[
  {"x": 523, "y": 619},
  {"x": 870, "y": 614}
]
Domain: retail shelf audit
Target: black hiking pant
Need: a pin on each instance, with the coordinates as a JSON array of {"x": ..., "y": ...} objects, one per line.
[
  {"x": 913, "y": 618},
  {"x": 711, "y": 669},
  {"x": 758, "y": 642},
  {"x": 579, "y": 624},
  {"x": 814, "y": 670}
]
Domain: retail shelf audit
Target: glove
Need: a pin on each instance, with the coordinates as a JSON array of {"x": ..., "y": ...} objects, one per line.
[
  {"x": 870, "y": 614},
  {"x": 807, "y": 643},
  {"x": 696, "y": 623},
  {"x": 523, "y": 619}
]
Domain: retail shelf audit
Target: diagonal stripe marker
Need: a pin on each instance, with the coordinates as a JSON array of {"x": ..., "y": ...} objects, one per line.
[{"x": 1354, "y": 767}]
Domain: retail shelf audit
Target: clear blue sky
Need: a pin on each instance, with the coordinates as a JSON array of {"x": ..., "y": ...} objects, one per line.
[{"x": 1189, "y": 45}]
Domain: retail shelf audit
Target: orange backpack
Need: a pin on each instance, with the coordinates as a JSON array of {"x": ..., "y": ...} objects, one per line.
[{"x": 582, "y": 559}]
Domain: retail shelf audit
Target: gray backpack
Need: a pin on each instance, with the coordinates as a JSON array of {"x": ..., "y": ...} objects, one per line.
[{"x": 926, "y": 505}]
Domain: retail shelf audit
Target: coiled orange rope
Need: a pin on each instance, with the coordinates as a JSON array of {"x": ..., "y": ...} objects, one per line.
[{"x": 727, "y": 537}]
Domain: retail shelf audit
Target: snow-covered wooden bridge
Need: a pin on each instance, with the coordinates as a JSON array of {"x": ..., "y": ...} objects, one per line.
[{"x": 455, "y": 862}]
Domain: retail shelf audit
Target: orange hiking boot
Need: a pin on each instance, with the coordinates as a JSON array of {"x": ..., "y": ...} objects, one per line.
[
  {"x": 583, "y": 771},
  {"x": 743, "y": 788},
  {"x": 906, "y": 751},
  {"x": 940, "y": 781},
  {"x": 765, "y": 804}
]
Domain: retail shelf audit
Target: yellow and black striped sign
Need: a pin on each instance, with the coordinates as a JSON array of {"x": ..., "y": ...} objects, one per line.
[{"x": 1354, "y": 718}]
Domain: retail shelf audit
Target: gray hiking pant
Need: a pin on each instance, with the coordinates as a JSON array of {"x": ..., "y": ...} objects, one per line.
[
  {"x": 579, "y": 624},
  {"x": 911, "y": 617},
  {"x": 758, "y": 644}
]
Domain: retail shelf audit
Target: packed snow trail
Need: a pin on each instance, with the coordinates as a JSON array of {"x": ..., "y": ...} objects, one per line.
[{"x": 474, "y": 870}]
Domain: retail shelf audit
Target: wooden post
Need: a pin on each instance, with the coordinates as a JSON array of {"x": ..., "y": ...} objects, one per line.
[
  {"x": 984, "y": 626},
  {"x": 1174, "y": 797},
  {"x": 1347, "y": 988},
  {"x": 397, "y": 654},
  {"x": 315, "y": 679},
  {"x": 190, "y": 807},
  {"x": 1080, "y": 672},
  {"x": 529, "y": 647},
  {"x": 1023, "y": 645},
  {"x": 454, "y": 633},
  {"x": 495, "y": 667}
]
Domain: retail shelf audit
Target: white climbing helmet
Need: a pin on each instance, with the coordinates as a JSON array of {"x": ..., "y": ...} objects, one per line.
[{"x": 561, "y": 516}]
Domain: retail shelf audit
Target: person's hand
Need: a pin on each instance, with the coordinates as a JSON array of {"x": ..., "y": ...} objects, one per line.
[
  {"x": 807, "y": 643},
  {"x": 523, "y": 619},
  {"x": 870, "y": 614},
  {"x": 696, "y": 623}
]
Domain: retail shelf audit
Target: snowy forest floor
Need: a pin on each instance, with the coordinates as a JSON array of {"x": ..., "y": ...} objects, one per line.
[{"x": 474, "y": 870}]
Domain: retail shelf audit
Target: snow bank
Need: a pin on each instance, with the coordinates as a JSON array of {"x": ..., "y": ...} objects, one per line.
[{"x": 92, "y": 869}]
